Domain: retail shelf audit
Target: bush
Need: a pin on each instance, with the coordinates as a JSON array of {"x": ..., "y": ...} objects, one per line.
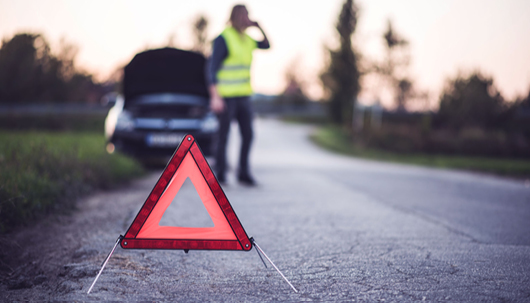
[
  {"x": 470, "y": 102},
  {"x": 339, "y": 140},
  {"x": 469, "y": 141},
  {"x": 398, "y": 138}
]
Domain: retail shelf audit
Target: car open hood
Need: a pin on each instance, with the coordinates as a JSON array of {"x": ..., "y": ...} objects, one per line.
[{"x": 165, "y": 70}]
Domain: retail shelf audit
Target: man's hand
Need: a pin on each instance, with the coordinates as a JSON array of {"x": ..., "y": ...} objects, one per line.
[
  {"x": 217, "y": 104},
  {"x": 265, "y": 39}
]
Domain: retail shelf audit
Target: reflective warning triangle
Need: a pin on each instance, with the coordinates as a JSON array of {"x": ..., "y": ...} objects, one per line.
[{"x": 145, "y": 231}]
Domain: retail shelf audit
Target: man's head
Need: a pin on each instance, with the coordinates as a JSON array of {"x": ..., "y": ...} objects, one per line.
[{"x": 239, "y": 18}]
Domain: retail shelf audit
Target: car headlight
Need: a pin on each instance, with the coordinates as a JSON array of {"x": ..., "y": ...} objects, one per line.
[
  {"x": 210, "y": 124},
  {"x": 125, "y": 121}
]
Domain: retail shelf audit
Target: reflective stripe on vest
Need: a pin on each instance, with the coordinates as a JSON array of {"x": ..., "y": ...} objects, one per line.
[{"x": 234, "y": 75}]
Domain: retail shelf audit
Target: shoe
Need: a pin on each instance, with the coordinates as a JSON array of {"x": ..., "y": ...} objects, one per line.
[{"x": 246, "y": 180}]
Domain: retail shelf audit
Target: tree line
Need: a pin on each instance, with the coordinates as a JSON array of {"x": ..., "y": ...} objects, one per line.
[
  {"x": 31, "y": 72},
  {"x": 468, "y": 100}
]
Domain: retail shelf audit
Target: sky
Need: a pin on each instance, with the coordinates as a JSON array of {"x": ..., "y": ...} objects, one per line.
[{"x": 446, "y": 37}]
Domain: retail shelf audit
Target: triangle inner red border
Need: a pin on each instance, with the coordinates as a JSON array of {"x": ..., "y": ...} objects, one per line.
[{"x": 227, "y": 234}]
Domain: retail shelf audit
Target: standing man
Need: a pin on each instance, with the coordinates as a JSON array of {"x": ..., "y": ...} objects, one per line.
[{"x": 228, "y": 74}]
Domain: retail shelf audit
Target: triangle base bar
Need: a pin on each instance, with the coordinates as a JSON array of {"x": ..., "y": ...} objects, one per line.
[{"x": 182, "y": 244}]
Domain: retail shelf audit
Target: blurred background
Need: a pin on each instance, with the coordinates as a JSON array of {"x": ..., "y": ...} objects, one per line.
[
  {"x": 441, "y": 37},
  {"x": 381, "y": 78}
]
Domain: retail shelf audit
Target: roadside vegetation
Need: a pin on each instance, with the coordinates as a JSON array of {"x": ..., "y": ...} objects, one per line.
[
  {"x": 51, "y": 152},
  {"x": 336, "y": 139},
  {"x": 473, "y": 126},
  {"x": 43, "y": 172},
  {"x": 50, "y": 158}
]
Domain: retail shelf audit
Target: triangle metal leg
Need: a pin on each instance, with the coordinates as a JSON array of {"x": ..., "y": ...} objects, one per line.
[
  {"x": 105, "y": 263},
  {"x": 268, "y": 259},
  {"x": 257, "y": 250}
]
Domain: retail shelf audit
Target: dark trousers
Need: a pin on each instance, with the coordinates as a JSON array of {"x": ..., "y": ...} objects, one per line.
[{"x": 238, "y": 108}]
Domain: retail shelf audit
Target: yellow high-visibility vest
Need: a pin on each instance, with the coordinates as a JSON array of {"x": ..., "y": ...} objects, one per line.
[{"x": 234, "y": 75}]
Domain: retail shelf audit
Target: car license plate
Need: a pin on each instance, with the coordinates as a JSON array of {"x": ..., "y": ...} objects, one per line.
[{"x": 164, "y": 140}]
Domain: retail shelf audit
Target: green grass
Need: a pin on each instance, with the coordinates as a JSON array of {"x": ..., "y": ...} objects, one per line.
[
  {"x": 42, "y": 172},
  {"x": 337, "y": 140}
]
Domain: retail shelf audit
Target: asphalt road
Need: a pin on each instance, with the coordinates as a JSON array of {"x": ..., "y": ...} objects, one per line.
[{"x": 341, "y": 229}]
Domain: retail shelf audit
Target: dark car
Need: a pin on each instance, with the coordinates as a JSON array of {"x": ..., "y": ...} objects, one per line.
[{"x": 165, "y": 96}]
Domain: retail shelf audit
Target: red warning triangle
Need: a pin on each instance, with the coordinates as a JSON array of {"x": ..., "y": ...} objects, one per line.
[{"x": 227, "y": 233}]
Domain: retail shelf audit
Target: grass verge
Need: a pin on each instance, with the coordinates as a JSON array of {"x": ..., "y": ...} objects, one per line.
[
  {"x": 42, "y": 172},
  {"x": 337, "y": 140}
]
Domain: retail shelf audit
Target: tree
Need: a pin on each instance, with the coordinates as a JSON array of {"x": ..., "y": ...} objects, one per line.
[
  {"x": 471, "y": 101},
  {"x": 341, "y": 77},
  {"x": 21, "y": 67},
  {"x": 394, "y": 67},
  {"x": 200, "y": 34}
]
